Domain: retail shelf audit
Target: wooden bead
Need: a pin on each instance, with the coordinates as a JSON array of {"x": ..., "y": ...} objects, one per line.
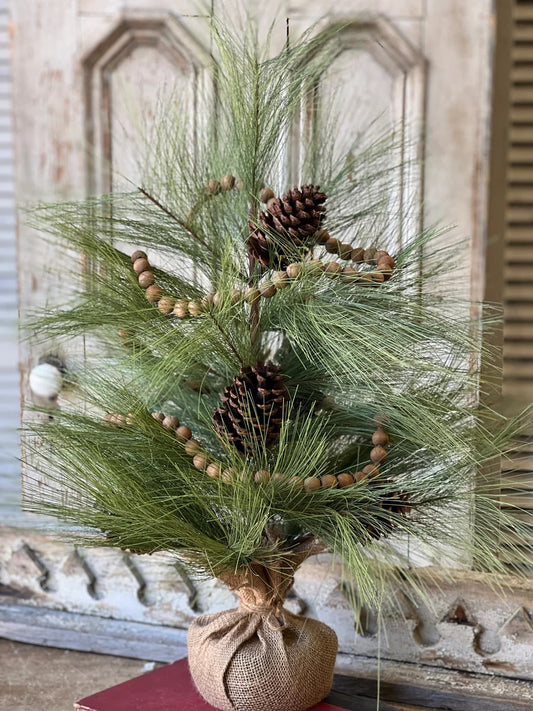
[
  {"x": 322, "y": 236},
  {"x": 252, "y": 294},
  {"x": 380, "y": 437},
  {"x": 381, "y": 253},
  {"x": 213, "y": 470},
  {"x": 159, "y": 416},
  {"x": 153, "y": 293},
  {"x": 280, "y": 280},
  {"x": 294, "y": 270},
  {"x": 345, "y": 251},
  {"x": 349, "y": 275},
  {"x": 239, "y": 183},
  {"x": 146, "y": 279},
  {"x": 262, "y": 477},
  {"x": 181, "y": 309},
  {"x": 370, "y": 254},
  {"x": 332, "y": 245},
  {"x": 365, "y": 278},
  {"x": 358, "y": 476},
  {"x": 171, "y": 421},
  {"x": 195, "y": 308},
  {"x": 358, "y": 255},
  {"x": 138, "y": 254},
  {"x": 166, "y": 304},
  {"x": 267, "y": 289},
  {"x": 266, "y": 194},
  {"x": 344, "y": 480},
  {"x": 332, "y": 269},
  {"x": 207, "y": 301},
  {"x": 213, "y": 187},
  {"x": 386, "y": 271},
  {"x": 228, "y": 475},
  {"x": 328, "y": 481},
  {"x": 141, "y": 265},
  {"x": 296, "y": 483},
  {"x": 183, "y": 433},
  {"x": 278, "y": 476},
  {"x": 377, "y": 277},
  {"x": 227, "y": 182},
  {"x": 312, "y": 483},
  {"x": 236, "y": 296},
  {"x": 314, "y": 267},
  {"x": 192, "y": 447},
  {"x": 378, "y": 454},
  {"x": 386, "y": 261},
  {"x": 200, "y": 461},
  {"x": 371, "y": 470},
  {"x": 218, "y": 299}
]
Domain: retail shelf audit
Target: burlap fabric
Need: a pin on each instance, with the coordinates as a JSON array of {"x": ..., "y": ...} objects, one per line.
[{"x": 259, "y": 656}]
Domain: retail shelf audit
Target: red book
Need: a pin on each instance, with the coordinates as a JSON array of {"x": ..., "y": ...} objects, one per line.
[{"x": 169, "y": 687}]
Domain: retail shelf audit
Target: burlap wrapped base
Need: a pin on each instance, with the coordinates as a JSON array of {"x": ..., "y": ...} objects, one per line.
[
  {"x": 240, "y": 661},
  {"x": 259, "y": 656}
]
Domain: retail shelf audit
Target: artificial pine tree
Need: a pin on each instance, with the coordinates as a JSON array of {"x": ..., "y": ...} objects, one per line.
[{"x": 272, "y": 374}]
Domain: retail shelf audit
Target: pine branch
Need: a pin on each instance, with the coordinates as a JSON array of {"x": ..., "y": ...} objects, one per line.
[{"x": 174, "y": 217}]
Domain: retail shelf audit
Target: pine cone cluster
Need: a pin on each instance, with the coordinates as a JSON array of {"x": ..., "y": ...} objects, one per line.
[
  {"x": 290, "y": 222},
  {"x": 252, "y": 407}
]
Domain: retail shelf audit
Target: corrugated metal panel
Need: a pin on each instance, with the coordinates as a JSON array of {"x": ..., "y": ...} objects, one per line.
[
  {"x": 518, "y": 258},
  {"x": 9, "y": 374}
]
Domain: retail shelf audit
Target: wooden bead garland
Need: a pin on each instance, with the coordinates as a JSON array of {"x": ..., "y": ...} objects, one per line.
[
  {"x": 378, "y": 454},
  {"x": 200, "y": 459},
  {"x": 182, "y": 308}
]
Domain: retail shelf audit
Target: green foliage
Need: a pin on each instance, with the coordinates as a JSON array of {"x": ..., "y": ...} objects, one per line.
[{"x": 408, "y": 349}]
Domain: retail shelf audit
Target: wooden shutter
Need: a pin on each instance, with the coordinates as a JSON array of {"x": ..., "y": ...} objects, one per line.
[
  {"x": 9, "y": 374},
  {"x": 518, "y": 255}
]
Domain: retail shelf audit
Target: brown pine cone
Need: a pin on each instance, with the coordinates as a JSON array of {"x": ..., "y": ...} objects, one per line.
[
  {"x": 252, "y": 407},
  {"x": 290, "y": 223}
]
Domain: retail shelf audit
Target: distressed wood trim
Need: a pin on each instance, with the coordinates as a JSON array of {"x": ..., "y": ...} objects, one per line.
[
  {"x": 88, "y": 633},
  {"x": 402, "y": 683},
  {"x": 464, "y": 622}
]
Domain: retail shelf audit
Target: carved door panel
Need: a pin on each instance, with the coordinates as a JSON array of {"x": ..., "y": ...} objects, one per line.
[{"x": 87, "y": 80}]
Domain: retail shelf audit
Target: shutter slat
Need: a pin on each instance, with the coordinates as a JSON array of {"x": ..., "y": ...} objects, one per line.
[
  {"x": 522, "y": 53},
  {"x": 522, "y": 214},
  {"x": 520, "y": 194},
  {"x": 522, "y": 113},
  {"x": 518, "y": 272},
  {"x": 519, "y": 234},
  {"x": 521, "y": 134},
  {"x": 520, "y": 254},
  {"x": 522, "y": 94},
  {"x": 522, "y": 11},
  {"x": 517, "y": 331},
  {"x": 518, "y": 292}
]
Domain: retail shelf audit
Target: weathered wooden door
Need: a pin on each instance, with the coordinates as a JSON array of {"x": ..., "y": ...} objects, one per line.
[{"x": 87, "y": 76}]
